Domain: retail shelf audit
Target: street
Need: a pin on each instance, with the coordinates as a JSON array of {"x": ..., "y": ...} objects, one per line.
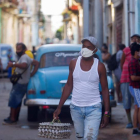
[{"x": 25, "y": 130}]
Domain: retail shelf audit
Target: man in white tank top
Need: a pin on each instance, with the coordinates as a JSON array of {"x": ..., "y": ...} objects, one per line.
[{"x": 85, "y": 73}]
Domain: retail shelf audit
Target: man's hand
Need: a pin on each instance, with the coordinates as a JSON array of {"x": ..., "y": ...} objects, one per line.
[
  {"x": 56, "y": 113},
  {"x": 10, "y": 64},
  {"x": 31, "y": 75},
  {"x": 105, "y": 121}
]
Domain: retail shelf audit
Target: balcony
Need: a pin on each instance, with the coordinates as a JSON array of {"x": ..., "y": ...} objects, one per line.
[
  {"x": 9, "y": 3},
  {"x": 15, "y": 2}
]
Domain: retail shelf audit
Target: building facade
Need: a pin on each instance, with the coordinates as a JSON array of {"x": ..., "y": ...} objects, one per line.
[
  {"x": 110, "y": 21},
  {"x": 20, "y": 21}
]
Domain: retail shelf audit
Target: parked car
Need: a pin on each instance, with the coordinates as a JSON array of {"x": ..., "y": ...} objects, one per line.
[
  {"x": 5, "y": 49},
  {"x": 46, "y": 86}
]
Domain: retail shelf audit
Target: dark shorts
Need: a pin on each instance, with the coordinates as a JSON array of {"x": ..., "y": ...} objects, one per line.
[{"x": 16, "y": 95}]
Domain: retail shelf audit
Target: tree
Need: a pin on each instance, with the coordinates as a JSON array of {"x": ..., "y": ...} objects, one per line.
[{"x": 59, "y": 33}]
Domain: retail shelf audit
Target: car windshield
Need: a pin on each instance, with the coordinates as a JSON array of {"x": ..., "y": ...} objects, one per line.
[{"x": 54, "y": 59}]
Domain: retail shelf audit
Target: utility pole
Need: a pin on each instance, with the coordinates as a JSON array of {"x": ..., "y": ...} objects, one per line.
[
  {"x": 35, "y": 22},
  {"x": 85, "y": 18}
]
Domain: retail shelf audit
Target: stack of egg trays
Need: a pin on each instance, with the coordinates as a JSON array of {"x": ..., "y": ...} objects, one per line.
[{"x": 54, "y": 130}]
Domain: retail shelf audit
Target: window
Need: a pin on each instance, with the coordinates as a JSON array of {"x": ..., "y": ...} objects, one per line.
[{"x": 54, "y": 59}]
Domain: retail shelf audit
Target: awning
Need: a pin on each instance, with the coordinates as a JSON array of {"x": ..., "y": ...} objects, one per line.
[{"x": 74, "y": 8}]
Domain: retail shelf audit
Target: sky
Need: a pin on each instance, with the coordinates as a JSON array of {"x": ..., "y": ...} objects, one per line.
[{"x": 54, "y": 8}]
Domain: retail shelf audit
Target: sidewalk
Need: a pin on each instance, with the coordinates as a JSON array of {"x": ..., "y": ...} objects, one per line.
[{"x": 116, "y": 130}]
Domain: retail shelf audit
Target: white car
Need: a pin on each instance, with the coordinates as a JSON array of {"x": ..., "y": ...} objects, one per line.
[{"x": 5, "y": 49}]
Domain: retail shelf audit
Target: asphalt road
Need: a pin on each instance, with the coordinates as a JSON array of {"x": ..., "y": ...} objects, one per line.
[{"x": 25, "y": 130}]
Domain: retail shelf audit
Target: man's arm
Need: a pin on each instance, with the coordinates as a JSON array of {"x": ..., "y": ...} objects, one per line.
[
  {"x": 135, "y": 78},
  {"x": 105, "y": 92},
  {"x": 122, "y": 60},
  {"x": 66, "y": 92},
  {"x": 21, "y": 65},
  {"x": 36, "y": 66},
  {"x": 104, "y": 85}
]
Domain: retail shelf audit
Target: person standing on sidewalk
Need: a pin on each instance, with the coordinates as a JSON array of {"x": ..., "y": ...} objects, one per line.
[
  {"x": 105, "y": 56},
  {"x": 118, "y": 71},
  {"x": 134, "y": 72},
  {"x": 20, "y": 88},
  {"x": 85, "y": 73},
  {"x": 1, "y": 68},
  {"x": 126, "y": 95}
]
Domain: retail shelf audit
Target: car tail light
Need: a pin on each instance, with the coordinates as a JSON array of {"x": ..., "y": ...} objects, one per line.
[
  {"x": 31, "y": 91},
  {"x": 42, "y": 91},
  {"x": 45, "y": 107},
  {"x": 111, "y": 92}
]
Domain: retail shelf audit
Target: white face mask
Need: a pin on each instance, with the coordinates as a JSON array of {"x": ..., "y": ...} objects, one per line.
[{"x": 86, "y": 52}]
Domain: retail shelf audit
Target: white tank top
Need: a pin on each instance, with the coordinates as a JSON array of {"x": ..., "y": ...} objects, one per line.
[{"x": 85, "y": 85}]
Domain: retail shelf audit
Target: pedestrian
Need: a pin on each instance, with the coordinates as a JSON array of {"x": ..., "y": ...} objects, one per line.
[
  {"x": 126, "y": 95},
  {"x": 30, "y": 54},
  {"x": 20, "y": 88},
  {"x": 85, "y": 73},
  {"x": 118, "y": 71},
  {"x": 134, "y": 72},
  {"x": 34, "y": 51},
  {"x": 105, "y": 56},
  {"x": 1, "y": 68}
]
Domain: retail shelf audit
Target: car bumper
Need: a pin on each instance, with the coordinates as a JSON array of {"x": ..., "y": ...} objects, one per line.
[
  {"x": 54, "y": 102},
  {"x": 49, "y": 102},
  {"x": 113, "y": 103}
]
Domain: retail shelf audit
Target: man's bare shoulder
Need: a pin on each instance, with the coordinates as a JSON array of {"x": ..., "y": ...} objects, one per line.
[
  {"x": 74, "y": 60},
  {"x": 73, "y": 63},
  {"x": 101, "y": 67}
]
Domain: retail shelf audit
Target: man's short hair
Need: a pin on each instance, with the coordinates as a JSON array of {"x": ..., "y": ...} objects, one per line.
[
  {"x": 23, "y": 45},
  {"x": 134, "y": 48},
  {"x": 135, "y": 35},
  {"x": 121, "y": 46}
]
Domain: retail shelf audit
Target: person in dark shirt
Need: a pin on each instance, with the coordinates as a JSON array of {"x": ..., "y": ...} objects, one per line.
[
  {"x": 105, "y": 55},
  {"x": 134, "y": 73},
  {"x": 34, "y": 51}
]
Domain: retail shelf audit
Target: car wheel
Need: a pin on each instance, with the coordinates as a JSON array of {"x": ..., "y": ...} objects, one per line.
[{"x": 33, "y": 113}]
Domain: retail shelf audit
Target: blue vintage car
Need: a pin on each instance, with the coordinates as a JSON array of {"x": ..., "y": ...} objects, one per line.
[{"x": 46, "y": 86}]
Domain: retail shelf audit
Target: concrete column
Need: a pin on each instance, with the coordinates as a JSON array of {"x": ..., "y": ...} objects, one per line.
[
  {"x": 35, "y": 22},
  {"x": 85, "y": 18},
  {"x": 0, "y": 25},
  {"x": 126, "y": 22},
  {"x": 105, "y": 22},
  {"x": 137, "y": 16},
  {"x": 132, "y": 17},
  {"x": 99, "y": 22}
]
